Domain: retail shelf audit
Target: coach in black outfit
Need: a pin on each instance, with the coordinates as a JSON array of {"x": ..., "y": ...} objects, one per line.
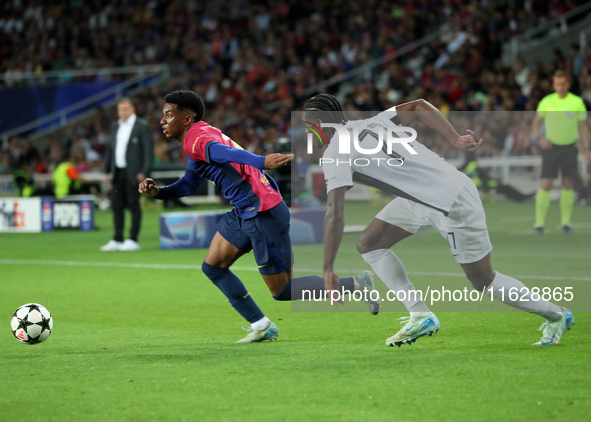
[{"x": 128, "y": 162}]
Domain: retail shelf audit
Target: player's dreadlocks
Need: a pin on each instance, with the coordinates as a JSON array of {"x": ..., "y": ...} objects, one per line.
[{"x": 324, "y": 107}]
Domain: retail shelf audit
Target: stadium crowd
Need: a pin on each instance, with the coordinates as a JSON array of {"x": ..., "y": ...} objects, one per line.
[{"x": 252, "y": 61}]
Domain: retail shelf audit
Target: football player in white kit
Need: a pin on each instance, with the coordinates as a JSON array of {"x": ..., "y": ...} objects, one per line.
[{"x": 431, "y": 193}]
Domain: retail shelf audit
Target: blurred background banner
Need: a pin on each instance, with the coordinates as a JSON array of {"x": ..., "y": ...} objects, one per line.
[
  {"x": 43, "y": 100},
  {"x": 20, "y": 215},
  {"x": 46, "y": 214},
  {"x": 195, "y": 229}
]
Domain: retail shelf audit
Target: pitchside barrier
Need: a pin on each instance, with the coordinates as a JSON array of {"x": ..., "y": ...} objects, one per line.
[
  {"x": 43, "y": 180},
  {"x": 191, "y": 230},
  {"x": 504, "y": 167},
  {"x": 37, "y": 214}
]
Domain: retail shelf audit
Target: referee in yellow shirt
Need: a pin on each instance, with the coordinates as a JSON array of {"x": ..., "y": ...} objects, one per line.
[{"x": 564, "y": 115}]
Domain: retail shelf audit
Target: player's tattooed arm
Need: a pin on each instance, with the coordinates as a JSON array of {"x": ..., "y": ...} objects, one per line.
[{"x": 334, "y": 226}]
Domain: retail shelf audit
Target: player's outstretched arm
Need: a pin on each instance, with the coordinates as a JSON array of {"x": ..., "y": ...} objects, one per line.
[
  {"x": 148, "y": 187},
  {"x": 219, "y": 153},
  {"x": 424, "y": 112}
]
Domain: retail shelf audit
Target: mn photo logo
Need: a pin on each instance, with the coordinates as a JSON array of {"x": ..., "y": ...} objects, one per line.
[{"x": 378, "y": 152}]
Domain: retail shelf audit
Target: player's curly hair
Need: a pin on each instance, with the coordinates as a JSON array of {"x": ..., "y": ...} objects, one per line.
[
  {"x": 324, "y": 107},
  {"x": 187, "y": 101}
]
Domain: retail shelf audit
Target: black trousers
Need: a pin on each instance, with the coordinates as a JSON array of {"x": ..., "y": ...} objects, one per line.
[{"x": 125, "y": 195}]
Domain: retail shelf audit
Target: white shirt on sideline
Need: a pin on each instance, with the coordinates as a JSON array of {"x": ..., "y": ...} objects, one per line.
[{"x": 123, "y": 135}]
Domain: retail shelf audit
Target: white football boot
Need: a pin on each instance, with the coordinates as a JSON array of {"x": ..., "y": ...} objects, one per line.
[
  {"x": 269, "y": 333},
  {"x": 415, "y": 327},
  {"x": 553, "y": 331}
]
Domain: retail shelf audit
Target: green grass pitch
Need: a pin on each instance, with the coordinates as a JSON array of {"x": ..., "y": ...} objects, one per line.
[{"x": 137, "y": 337}]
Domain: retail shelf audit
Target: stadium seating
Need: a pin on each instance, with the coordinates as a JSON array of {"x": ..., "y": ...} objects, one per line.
[{"x": 243, "y": 61}]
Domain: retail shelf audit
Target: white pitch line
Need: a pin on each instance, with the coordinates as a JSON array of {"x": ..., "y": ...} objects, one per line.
[
  {"x": 524, "y": 233},
  {"x": 236, "y": 268},
  {"x": 520, "y": 219},
  {"x": 97, "y": 264},
  {"x": 531, "y": 231}
]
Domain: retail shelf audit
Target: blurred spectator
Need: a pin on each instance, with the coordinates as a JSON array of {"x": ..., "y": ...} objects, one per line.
[
  {"x": 66, "y": 179},
  {"x": 5, "y": 163},
  {"x": 23, "y": 180}
]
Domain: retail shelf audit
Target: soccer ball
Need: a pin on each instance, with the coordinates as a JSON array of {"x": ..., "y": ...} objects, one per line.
[{"x": 31, "y": 323}]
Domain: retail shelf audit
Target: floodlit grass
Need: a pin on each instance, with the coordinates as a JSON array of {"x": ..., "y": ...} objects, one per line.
[{"x": 138, "y": 343}]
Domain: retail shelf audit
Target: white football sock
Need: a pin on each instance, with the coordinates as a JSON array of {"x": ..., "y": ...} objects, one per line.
[
  {"x": 389, "y": 268},
  {"x": 502, "y": 285},
  {"x": 261, "y": 324}
]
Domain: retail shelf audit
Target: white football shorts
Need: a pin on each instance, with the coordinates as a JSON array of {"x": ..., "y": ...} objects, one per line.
[{"x": 464, "y": 227}]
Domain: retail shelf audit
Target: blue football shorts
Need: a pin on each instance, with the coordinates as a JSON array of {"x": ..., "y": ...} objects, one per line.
[{"x": 266, "y": 234}]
